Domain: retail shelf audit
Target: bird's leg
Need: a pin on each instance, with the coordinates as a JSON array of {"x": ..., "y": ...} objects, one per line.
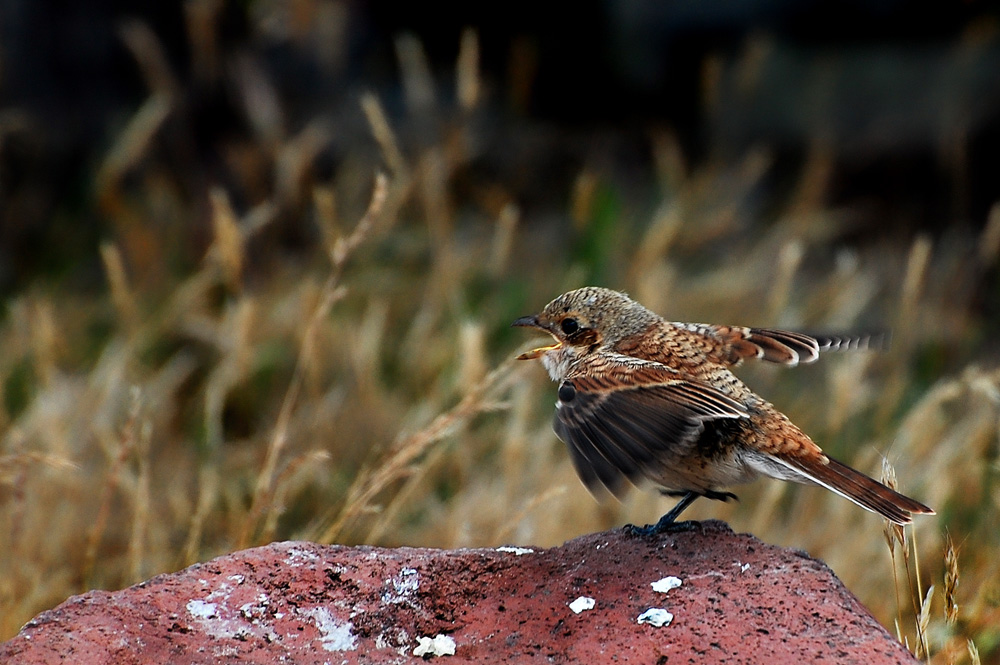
[{"x": 667, "y": 522}]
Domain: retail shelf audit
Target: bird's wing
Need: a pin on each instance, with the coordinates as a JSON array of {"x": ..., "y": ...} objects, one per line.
[
  {"x": 787, "y": 347},
  {"x": 624, "y": 418}
]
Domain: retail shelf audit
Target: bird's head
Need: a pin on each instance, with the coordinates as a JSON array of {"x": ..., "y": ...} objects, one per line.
[{"x": 584, "y": 320}]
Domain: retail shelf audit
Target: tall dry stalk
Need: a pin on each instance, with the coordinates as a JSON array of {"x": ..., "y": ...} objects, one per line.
[
  {"x": 331, "y": 292},
  {"x": 399, "y": 460}
]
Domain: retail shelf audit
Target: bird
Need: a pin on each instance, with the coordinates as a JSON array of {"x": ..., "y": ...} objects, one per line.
[{"x": 644, "y": 400}]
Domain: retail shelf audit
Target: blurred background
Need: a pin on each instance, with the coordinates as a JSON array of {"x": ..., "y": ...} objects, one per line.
[{"x": 258, "y": 263}]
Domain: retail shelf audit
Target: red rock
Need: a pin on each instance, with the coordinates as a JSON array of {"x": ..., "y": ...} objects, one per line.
[{"x": 740, "y": 601}]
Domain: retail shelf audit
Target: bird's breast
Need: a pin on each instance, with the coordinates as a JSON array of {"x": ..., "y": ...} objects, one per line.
[{"x": 557, "y": 362}]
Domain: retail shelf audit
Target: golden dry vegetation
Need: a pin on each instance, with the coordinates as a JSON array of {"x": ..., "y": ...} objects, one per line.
[{"x": 362, "y": 389}]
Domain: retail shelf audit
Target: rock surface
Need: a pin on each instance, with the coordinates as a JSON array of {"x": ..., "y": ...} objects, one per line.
[{"x": 734, "y": 600}]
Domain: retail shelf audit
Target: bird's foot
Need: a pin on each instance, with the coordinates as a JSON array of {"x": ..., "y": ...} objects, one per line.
[
  {"x": 720, "y": 496},
  {"x": 669, "y": 521},
  {"x": 660, "y": 527}
]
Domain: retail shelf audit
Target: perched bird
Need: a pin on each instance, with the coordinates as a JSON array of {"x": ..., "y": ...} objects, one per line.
[{"x": 644, "y": 399}]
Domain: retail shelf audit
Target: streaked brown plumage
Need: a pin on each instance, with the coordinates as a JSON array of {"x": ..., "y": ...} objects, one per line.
[{"x": 644, "y": 399}]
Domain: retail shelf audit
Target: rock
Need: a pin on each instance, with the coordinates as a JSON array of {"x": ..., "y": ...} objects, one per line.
[{"x": 734, "y": 600}]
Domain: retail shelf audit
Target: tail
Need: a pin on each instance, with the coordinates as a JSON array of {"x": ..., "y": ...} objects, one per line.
[{"x": 859, "y": 488}]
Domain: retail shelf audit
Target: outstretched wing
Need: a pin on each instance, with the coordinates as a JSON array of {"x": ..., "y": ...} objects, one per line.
[
  {"x": 624, "y": 418},
  {"x": 787, "y": 347}
]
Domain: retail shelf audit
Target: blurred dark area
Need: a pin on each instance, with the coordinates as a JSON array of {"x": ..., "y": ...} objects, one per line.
[{"x": 906, "y": 103}]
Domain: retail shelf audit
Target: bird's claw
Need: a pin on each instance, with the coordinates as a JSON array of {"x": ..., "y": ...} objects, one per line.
[{"x": 657, "y": 529}]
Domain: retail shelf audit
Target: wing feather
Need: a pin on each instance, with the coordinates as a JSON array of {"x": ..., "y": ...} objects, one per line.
[
  {"x": 785, "y": 346},
  {"x": 623, "y": 419}
]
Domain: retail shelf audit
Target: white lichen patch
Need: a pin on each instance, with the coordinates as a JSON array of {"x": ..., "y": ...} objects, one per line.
[
  {"x": 221, "y": 622},
  {"x": 389, "y": 639},
  {"x": 334, "y": 635},
  {"x": 582, "y": 604},
  {"x": 257, "y": 609},
  {"x": 402, "y": 586},
  {"x": 201, "y": 609},
  {"x": 666, "y": 584},
  {"x": 439, "y": 645},
  {"x": 297, "y": 557},
  {"x": 655, "y": 616},
  {"x": 516, "y": 551},
  {"x": 407, "y": 581},
  {"x": 224, "y": 588}
]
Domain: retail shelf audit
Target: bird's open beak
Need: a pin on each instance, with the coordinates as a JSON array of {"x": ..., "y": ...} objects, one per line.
[{"x": 532, "y": 322}]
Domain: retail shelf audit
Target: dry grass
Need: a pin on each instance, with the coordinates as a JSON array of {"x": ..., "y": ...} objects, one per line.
[{"x": 361, "y": 390}]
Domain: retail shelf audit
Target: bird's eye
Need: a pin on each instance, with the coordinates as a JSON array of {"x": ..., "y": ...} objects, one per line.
[{"x": 569, "y": 326}]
